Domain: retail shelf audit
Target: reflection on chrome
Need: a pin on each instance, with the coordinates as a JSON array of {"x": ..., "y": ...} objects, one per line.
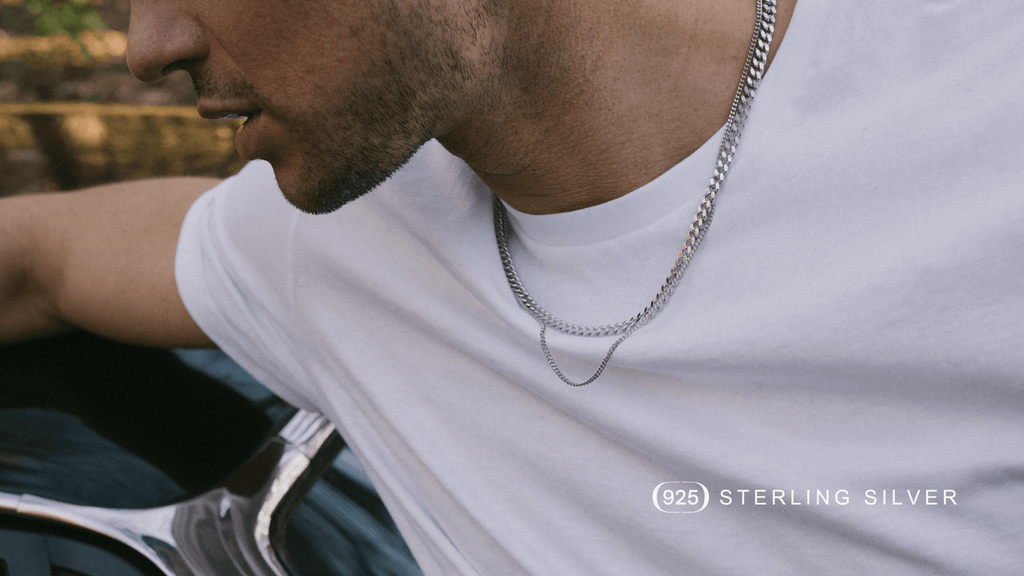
[{"x": 227, "y": 531}]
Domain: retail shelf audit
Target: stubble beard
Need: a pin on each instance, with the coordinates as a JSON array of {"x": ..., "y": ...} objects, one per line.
[
  {"x": 404, "y": 95},
  {"x": 411, "y": 86},
  {"x": 350, "y": 151},
  {"x": 365, "y": 144}
]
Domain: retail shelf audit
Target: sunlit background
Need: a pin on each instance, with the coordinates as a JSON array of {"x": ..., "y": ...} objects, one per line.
[{"x": 71, "y": 115}]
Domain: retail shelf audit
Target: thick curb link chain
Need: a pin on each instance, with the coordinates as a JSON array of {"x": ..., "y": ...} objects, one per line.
[{"x": 753, "y": 71}]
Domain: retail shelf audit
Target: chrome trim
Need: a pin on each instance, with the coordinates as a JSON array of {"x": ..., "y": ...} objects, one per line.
[
  {"x": 306, "y": 433},
  {"x": 226, "y": 531}
]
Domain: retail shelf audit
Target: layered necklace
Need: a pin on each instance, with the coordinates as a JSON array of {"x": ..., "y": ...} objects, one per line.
[{"x": 753, "y": 70}]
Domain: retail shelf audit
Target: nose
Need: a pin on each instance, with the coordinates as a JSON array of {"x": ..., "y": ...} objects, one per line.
[{"x": 161, "y": 39}]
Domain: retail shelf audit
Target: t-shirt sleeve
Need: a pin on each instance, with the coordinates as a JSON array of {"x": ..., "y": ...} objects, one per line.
[{"x": 233, "y": 273}]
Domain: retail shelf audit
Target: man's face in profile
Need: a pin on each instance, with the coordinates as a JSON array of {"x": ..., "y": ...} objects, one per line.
[{"x": 338, "y": 93}]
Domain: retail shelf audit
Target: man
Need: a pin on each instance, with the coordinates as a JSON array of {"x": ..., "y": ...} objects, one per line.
[{"x": 835, "y": 385}]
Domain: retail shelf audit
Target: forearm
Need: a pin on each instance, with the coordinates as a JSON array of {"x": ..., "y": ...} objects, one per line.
[
  {"x": 26, "y": 309},
  {"x": 100, "y": 259}
]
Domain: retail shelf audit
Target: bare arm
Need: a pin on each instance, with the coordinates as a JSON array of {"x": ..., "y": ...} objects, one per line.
[{"x": 101, "y": 259}]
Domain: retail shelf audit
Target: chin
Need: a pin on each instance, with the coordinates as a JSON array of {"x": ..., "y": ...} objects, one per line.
[
  {"x": 321, "y": 183},
  {"x": 320, "y": 192},
  {"x": 290, "y": 184},
  {"x": 326, "y": 174}
]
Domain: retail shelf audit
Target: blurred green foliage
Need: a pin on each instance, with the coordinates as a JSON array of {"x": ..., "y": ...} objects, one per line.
[
  {"x": 69, "y": 17},
  {"x": 43, "y": 18}
]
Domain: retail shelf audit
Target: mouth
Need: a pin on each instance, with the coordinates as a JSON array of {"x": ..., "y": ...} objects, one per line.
[
  {"x": 251, "y": 139},
  {"x": 226, "y": 110},
  {"x": 246, "y": 115}
]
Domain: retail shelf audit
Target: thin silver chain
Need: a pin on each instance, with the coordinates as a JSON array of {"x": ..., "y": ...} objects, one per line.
[{"x": 753, "y": 71}]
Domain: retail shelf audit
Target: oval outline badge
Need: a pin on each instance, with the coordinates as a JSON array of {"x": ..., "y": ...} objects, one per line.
[{"x": 657, "y": 504}]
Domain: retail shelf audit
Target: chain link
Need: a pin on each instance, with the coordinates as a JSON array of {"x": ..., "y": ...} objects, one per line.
[{"x": 753, "y": 71}]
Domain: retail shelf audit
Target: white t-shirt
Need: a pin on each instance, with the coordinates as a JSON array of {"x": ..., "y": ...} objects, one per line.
[{"x": 836, "y": 386}]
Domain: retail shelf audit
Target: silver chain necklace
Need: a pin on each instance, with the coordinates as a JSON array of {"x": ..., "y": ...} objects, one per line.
[{"x": 753, "y": 70}]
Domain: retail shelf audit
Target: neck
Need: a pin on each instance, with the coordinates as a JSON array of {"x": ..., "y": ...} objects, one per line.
[{"x": 593, "y": 100}]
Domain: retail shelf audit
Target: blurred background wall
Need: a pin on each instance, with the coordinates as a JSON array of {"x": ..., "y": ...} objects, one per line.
[{"x": 71, "y": 115}]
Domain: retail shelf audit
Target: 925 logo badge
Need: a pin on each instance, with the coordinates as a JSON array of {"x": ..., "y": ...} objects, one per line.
[{"x": 680, "y": 497}]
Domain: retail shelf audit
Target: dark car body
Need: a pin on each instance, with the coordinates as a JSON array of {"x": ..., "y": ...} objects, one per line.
[{"x": 118, "y": 459}]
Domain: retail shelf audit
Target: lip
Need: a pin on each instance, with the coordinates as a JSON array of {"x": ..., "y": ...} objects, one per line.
[
  {"x": 247, "y": 141},
  {"x": 217, "y": 109},
  {"x": 262, "y": 135}
]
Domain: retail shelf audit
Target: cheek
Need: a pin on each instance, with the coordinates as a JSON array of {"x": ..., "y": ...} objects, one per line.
[
  {"x": 262, "y": 39},
  {"x": 293, "y": 69},
  {"x": 304, "y": 31}
]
